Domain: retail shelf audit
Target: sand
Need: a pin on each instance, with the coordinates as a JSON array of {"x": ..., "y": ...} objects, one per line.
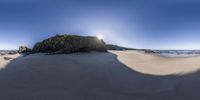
[
  {"x": 4, "y": 62},
  {"x": 94, "y": 76},
  {"x": 158, "y": 65}
]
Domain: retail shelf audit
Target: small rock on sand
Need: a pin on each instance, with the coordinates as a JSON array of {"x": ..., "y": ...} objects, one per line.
[{"x": 8, "y": 58}]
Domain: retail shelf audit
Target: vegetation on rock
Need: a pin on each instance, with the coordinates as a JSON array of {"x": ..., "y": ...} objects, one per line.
[{"x": 69, "y": 44}]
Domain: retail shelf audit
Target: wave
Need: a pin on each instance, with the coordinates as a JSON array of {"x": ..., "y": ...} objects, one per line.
[{"x": 177, "y": 53}]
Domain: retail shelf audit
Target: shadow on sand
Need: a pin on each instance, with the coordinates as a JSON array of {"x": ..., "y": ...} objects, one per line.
[{"x": 89, "y": 76}]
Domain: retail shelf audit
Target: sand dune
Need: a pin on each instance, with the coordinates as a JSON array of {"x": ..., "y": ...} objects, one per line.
[{"x": 91, "y": 76}]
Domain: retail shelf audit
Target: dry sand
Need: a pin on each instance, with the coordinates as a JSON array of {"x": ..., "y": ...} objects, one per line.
[
  {"x": 4, "y": 62},
  {"x": 95, "y": 76},
  {"x": 158, "y": 65}
]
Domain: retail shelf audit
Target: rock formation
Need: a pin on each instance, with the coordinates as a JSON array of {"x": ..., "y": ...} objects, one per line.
[
  {"x": 116, "y": 47},
  {"x": 8, "y": 58},
  {"x": 70, "y": 43},
  {"x": 149, "y": 51},
  {"x": 24, "y": 49}
]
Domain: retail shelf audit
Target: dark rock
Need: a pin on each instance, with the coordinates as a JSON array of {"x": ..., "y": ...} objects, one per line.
[
  {"x": 24, "y": 49},
  {"x": 70, "y": 43},
  {"x": 12, "y": 52},
  {"x": 8, "y": 58},
  {"x": 149, "y": 51},
  {"x": 116, "y": 47}
]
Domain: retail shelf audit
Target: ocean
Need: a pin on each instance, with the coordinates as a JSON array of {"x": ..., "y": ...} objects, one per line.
[
  {"x": 177, "y": 53},
  {"x": 3, "y": 52}
]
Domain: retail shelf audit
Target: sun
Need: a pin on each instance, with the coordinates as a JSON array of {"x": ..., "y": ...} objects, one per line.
[{"x": 100, "y": 37}]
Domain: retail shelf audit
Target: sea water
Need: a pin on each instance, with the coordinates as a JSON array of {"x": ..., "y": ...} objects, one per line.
[
  {"x": 3, "y": 52},
  {"x": 178, "y": 53}
]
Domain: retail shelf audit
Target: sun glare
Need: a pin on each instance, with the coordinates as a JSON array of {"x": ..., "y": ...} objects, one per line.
[{"x": 100, "y": 37}]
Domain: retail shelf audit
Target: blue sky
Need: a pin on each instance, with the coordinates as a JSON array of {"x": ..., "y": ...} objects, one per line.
[{"x": 152, "y": 24}]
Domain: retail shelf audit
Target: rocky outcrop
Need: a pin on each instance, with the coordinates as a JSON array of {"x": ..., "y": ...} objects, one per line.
[
  {"x": 8, "y": 58},
  {"x": 70, "y": 43},
  {"x": 116, "y": 47},
  {"x": 24, "y": 49},
  {"x": 149, "y": 51}
]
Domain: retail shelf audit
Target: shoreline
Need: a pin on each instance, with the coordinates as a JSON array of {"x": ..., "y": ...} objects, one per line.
[
  {"x": 176, "y": 56},
  {"x": 153, "y": 64}
]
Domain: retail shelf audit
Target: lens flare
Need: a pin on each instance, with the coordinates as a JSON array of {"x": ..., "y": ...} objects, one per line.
[{"x": 100, "y": 37}]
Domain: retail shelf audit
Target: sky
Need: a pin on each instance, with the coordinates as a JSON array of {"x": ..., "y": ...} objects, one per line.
[{"x": 144, "y": 24}]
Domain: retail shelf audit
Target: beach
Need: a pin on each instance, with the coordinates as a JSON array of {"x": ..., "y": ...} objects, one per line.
[
  {"x": 155, "y": 64},
  {"x": 116, "y": 75}
]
